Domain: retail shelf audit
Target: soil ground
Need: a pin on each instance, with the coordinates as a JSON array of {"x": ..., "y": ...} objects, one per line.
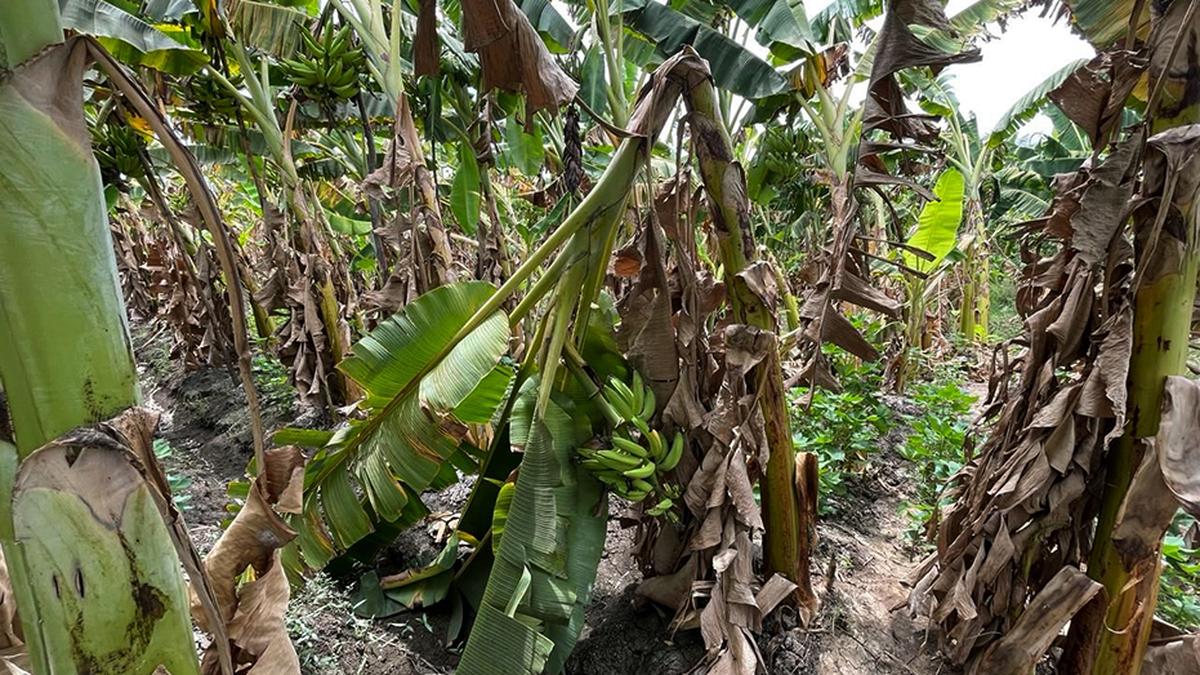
[{"x": 863, "y": 545}]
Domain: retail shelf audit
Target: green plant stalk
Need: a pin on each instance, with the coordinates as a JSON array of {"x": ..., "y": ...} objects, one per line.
[
  {"x": 1163, "y": 305},
  {"x": 612, "y": 186},
  {"x": 65, "y": 355},
  {"x": 617, "y": 101},
  {"x": 26, "y": 27},
  {"x": 1162, "y": 323},
  {"x": 786, "y": 538},
  {"x": 915, "y": 331}
]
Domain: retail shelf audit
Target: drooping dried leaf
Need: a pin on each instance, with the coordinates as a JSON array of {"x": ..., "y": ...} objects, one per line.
[
  {"x": 1178, "y": 441},
  {"x": 513, "y": 56},
  {"x": 1094, "y": 96},
  {"x": 425, "y": 42},
  {"x": 1176, "y": 657},
  {"x": 253, "y": 611},
  {"x": 1106, "y": 196},
  {"x": 899, "y": 48},
  {"x": 1043, "y": 618}
]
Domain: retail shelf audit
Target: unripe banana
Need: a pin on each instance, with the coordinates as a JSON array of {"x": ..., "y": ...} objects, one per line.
[
  {"x": 640, "y": 484},
  {"x": 638, "y": 389},
  {"x": 676, "y": 452},
  {"x": 630, "y": 447},
  {"x": 661, "y": 508},
  {"x": 626, "y": 394},
  {"x": 648, "y": 405},
  {"x": 658, "y": 447},
  {"x": 593, "y": 465},
  {"x": 617, "y": 400},
  {"x": 644, "y": 470},
  {"x": 618, "y": 460},
  {"x": 610, "y": 413},
  {"x": 641, "y": 425}
]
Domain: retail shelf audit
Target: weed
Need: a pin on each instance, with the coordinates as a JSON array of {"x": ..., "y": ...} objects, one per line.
[
  {"x": 934, "y": 446},
  {"x": 177, "y": 482},
  {"x": 271, "y": 380},
  {"x": 1179, "y": 585},
  {"x": 842, "y": 428}
]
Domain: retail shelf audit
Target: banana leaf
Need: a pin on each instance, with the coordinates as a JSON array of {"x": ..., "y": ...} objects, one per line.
[
  {"x": 1103, "y": 22},
  {"x": 777, "y": 22},
  {"x": 130, "y": 39},
  {"x": 734, "y": 67},
  {"x": 1024, "y": 108},
  {"x": 541, "y": 580},
  {"x": 937, "y": 225},
  {"x": 973, "y": 18},
  {"x": 414, "y": 388},
  {"x": 546, "y": 19},
  {"x": 267, "y": 26}
]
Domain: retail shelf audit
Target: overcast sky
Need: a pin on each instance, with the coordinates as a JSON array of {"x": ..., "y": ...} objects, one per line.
[{"x": 1029, "y": 51}]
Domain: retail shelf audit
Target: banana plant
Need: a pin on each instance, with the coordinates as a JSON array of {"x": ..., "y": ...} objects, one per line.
[
  {"x": 973, "y": 155},
  {"x": 71, "y": 385},
  {"x": 924, "y": 254}
]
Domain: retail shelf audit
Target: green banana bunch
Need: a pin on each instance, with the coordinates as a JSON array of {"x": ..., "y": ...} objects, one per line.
[
  {"x": 207, "y": 99},
  {"x": 327, "y": 69},
  {"x": 632, "y": 468},
  {"x": 117, "y": 148}
]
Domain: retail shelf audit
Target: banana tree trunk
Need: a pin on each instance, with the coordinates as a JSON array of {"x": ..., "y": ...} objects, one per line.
[
  {"x": 788, "y": 525},
  {"x": 66, "y": 362},
  {"x": 1110, "y": 636},
  {"x": 973, "y": 316}
]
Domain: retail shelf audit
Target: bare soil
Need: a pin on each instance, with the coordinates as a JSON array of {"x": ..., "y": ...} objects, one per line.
[{"x": 863, "y": 544}]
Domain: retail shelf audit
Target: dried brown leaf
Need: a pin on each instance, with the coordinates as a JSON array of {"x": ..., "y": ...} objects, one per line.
[
  {"x": 1023, "y": 645},
  {"x": 513, "y": 56}
]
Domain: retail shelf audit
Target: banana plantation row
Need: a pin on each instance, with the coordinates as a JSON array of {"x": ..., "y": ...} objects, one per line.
[{"x": 579, "y": 254}]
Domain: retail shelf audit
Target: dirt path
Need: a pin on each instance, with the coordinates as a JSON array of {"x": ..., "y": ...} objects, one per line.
[{"x": 854, "y": 634}]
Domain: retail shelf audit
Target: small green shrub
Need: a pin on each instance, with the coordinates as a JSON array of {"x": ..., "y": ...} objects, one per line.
[
  {"x": 1179, "y": 585},
  {"x": 271, "y": 380},
  {"x": 842, "y": 428},
  {"x": 934, "y": 446},
  {"x": 178, "y": 483},
  {"x": 1004, "y": 322}
]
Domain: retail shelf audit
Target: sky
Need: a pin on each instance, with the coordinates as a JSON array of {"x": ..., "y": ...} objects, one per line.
[{"x": 1027, "y": 52}]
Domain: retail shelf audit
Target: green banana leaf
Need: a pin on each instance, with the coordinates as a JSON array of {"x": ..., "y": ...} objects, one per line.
[
  {"x": 546, "y": 19},
  {"x": 734, "y": 67},
  {"x": 524, "y": 151},
  {"x": 540, "y": 583},
  {"x": 465, "y": 192},
  {"x": 380, "y": 598},
  {"x": 592, "y": 81},
  {"x": 837, "y": 20},
  {"x": 973, "y": 18},
  {"x": 777, "y": 22},
  {"x": 412, "y": 426},
  {"x": 1103, "y": 22},
  {"x": 1018, "y": 203},
  {"x": 130, "y": 39},
  {"x": 268, "y": 26},
  {"x": 1024, "y": 108},
  {"x": 167, "y": 10},
  {"x": 937, "y": 225}
]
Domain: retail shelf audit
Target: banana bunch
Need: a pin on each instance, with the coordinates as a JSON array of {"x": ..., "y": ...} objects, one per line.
[
  {"x": 207, "y": 99},
  {"x": 327, "y": 69},
  {"x": 631, "y": 468},
  {"x": 118, "y": 150}
]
